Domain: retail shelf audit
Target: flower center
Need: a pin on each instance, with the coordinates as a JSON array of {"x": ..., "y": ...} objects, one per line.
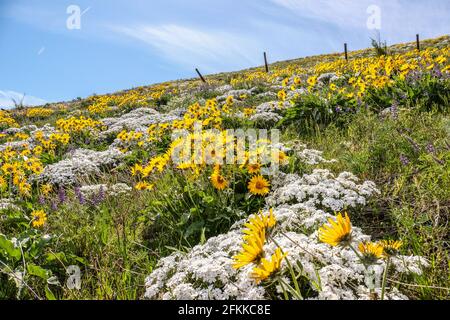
[{"x": 259, "y": 185}]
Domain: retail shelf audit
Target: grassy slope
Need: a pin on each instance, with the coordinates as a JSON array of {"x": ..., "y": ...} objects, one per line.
[{"x": 119, "y": 249}]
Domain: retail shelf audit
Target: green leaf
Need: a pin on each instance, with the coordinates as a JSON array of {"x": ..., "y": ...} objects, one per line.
[
  {"x": 49, "y": 294},
  {"x": 194, "y": 228},
  {"x": 37, "y": 271},
  {"x": 193, "y": 211},
  {"x": 11, "y": 251},
  {"x": 184, "y": 218},
  {"x": 208, "y": 199}
]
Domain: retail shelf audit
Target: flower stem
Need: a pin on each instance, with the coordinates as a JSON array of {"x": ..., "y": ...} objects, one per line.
[{"x": 383, "y": 286}]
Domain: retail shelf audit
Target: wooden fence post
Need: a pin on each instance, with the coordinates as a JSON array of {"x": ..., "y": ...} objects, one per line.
[
  {"x": 265, "y": 62},
  {"x": 418, "y": 42},
  {"x": 200, "y": 75}
]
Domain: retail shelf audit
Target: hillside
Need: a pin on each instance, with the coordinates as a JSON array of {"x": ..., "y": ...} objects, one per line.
[{"x": 343, "y": 193}]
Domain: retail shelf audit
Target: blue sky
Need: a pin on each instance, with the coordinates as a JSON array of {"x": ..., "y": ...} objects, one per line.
[{"x": 123, "y": 44}]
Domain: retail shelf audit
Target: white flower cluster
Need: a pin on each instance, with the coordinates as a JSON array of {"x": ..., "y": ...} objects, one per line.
[
  {"x": 138, "y": 120},
  {"x": 31, "y": 142},
  {"x": 8, "y": 204},
  {"x": 265, "y": 119},
  {"x": 114, "y": 190},
  {"x": 268, "y": 113},
  {"x": 308, "y": 156},
  {"x": 327, "y": 78},
  {"x": 267, "y": 94},
  {"x": 272, "y": 106},
  {"x": 235, "y": 94},
  {"x": 300, "y": 205},
  {"x": 180, "y": 102},
  {"x": 80, "y": 163},
  {"x": 224, "y": 88}
]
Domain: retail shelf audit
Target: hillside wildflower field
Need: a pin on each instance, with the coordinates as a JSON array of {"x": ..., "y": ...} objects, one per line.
[{"x": 151, "y": 193}]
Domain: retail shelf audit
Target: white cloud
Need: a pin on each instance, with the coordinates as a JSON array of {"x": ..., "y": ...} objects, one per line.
[
  {"x": 211, "y": 50},
  {"x": 342, "y": 12},
  {"x": 399, "y": 19},
  {"x": 6, "y": 99}
]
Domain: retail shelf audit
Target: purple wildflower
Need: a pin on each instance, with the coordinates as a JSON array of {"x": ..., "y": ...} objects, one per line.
[
  {"x": 98, "y": 198},
  {"x": 79, "y": 195},
  {"x": 54, "y": 206},
  {"x": 41, "y": 200},
  {"x": 437, "y": 72},
  {"x": 101, "y": 194},
  {"x": 430, "y": 148},
  {"x": 61, "y": 195},
  {"x": 404, "y": 160}
]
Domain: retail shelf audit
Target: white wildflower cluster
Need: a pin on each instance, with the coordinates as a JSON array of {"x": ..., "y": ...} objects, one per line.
[
  {"x": 267, "y": 94},
  {"x": 309, "y": 156},
  {"x": 328, "y": 78},
  {"x": 27, "y": 128},
  {"x": 138, "y": 120},
  {"x": 8, "y": 204},
  {"x": 312, "y": 157},
  {"x": 181, "y": 102},
  {"x": 300, "y": 205},
  {"x": 80, "y": 163},
  {"x": 272, "y": 106},
  {"x": 236, "y": 94},
  {"x": 113, "y": 190},
  {"x": 224, "y": 88},
  {"x": 31, "y": 142},
  {"x": 265, "y": 119},
  {"x": 267, "y": 114},
  {"x": 13, "y": 145},
  {"x": 291, "y": 94},
  {"x": 321, "y": 190}
]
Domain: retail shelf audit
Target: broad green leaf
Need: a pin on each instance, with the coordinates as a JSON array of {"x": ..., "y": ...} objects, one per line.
[
  {"x": 49, "y": 294},
  {"x": 11, "y": 251},
  {"x": 37, "y": 271}
]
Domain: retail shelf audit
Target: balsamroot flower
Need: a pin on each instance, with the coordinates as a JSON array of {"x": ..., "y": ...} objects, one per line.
[
  {"x": 337, "y": 232},
  {"x": 391, "y": 247},
  {"x": 38, "y": 218},
  {"x": 371, "y": 251},
  {"x": 259, "y": 223},
  {"x": 252, "y": 250},
  {"x": 258, "y": 185},
  {"x": 143, "y": 186},
  {"x": 254, "y": 239},
  {"x": 254, "y": 168},
  {"x": 218, "y": 181},
  {"x": 266, "y": 268}
]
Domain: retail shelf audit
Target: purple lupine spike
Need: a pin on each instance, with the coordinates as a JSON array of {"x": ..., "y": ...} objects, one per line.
[
  {"x": 430, "y": 148},
  {"x": 101, "y": 194},
  {"x": 54, "y": 206},
  {"x": 99, "y": 197},
  {"x": 61, "y": 195},
  {"x": 404, "y": 160},
  {"x": 41, "y": 200},
  {"x": 79, "y": 195},
  {"x": 359, "y": 102}
]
